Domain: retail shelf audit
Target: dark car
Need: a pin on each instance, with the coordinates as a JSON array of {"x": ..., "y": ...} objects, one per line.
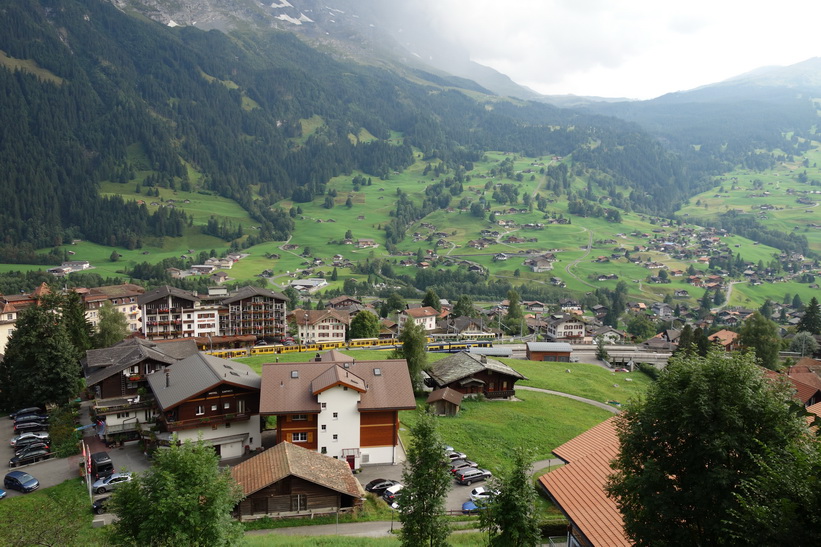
[
  {"x": 458, "y": 465},
  {"x": 31, "y": 456},
  {"x": 100, "y": 505},
  {"x": 24, "y": 418},
  {"x": 101, "y": 465},
  {"x": 23, "y": 450},
  {"x": 469, "y": 475},
  {"x": 24, "y": 427},
  {"x": 23, "y": 411},
  {"x": 19, "y": 480},
  {"x": 25, "y": 439},
  {"x": 378, "y": 486}
]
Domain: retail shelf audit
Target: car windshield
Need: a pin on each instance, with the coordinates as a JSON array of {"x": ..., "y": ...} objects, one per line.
[{"x": 25, "y": 477}]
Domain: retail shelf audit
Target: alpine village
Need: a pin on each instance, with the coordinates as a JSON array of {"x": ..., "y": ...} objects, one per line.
[{"x": 266, "y": 275}]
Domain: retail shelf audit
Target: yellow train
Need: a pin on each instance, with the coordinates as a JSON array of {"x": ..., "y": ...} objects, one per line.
[{"x": 356, "y": 343}]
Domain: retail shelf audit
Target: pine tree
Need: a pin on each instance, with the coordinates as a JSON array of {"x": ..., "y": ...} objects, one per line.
[
  {"x": 427, "y": 482},
  {"x": 510, "y": 516},
  {"x": 811, "y": 321}
]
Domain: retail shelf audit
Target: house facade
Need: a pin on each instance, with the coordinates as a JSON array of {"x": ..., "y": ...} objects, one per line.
[
  {"x": 122, "y": 297},
  {"x": 339, "y": 407},
  {"x": 288, "y": 480},
  {"x": 163, "y": 310},
  {"x": 560, "y": 352},
  {"x": 566, "y": 327},
  {"x": 206, "y": 397},
  {"x": 425, "y": 316},
  {"x": 321, "y": 325}
]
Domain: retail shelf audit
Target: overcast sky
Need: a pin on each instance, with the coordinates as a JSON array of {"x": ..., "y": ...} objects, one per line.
[{"x": 628, "y": 48}]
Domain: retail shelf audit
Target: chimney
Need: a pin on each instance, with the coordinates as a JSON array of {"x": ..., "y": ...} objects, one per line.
[
  {"x": 167, "y": 377},
  {"x": 484, "y": 359}
]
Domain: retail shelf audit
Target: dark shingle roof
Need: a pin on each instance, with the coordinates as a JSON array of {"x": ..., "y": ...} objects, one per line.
[
  {"x": 197, "y": 374},
  {"x": 165, "y": 291},
  {"x": 248, "y": 291},
  {"x": 462, "y": 365},
  {"x": 100, "y": 364}
]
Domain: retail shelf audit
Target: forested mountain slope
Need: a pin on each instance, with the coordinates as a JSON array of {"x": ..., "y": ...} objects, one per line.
[{"x": 92, "y": 94}]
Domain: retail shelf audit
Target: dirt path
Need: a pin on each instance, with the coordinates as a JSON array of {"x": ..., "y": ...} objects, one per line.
[{"x": 585, "y": 255}]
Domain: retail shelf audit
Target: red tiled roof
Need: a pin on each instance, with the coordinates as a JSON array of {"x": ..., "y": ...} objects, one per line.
[
  {"x": 578, "y": 487},
  {"x": 286, "y": 459},
  {"x": 426, "y": 311},
  {"x": 724, "y": 337}
]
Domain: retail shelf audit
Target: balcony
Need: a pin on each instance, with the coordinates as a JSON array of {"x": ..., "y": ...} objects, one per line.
[
  {"x": 500, "y": 394},
  {"x": 205, "y": 421},
  {"x": 122, "y": 404}
]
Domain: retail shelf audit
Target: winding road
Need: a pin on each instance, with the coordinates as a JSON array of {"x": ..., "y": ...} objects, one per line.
[{"x": 585, "y": 255}]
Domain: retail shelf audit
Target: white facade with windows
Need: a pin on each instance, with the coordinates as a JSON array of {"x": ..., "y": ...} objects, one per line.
[{"x": 338, "y": 421}]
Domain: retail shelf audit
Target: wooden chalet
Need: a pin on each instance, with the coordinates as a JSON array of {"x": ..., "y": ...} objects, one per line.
[{"x": 471, "y": 374}]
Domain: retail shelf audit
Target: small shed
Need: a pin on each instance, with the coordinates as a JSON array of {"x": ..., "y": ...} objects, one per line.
[
  {"x": 549, "y": 351},
  {"x": 445, "y": 401}
]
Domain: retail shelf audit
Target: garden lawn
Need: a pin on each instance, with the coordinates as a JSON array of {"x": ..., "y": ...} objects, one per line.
[
  {"x": 488, "y": 430},
  {"x": 584, "y": 380}
]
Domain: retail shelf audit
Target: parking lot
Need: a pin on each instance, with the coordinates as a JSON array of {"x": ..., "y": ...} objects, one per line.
[
  {"x": 457, "y": 495},
  {"x": 58, "y": 470}
]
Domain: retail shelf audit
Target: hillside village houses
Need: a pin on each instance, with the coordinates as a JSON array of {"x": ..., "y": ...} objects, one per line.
[{"x": 425, "y": 316}]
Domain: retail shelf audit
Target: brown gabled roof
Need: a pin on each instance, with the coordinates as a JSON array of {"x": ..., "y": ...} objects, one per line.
[
  {"x": 803, "y": 392},
  {"x": 335, "y": 356},
  {"x": 724, "y": 337},
  {"x": 578, "y": 487},
  {"x": 337, "y": 376},
  {"x": 588, "y": 442},
  {"x": 287, "y": 387},
  {"x": 426, "y": 311},
  {"x": 445, "y": 394},
  {"x": 287, "y": 459}
]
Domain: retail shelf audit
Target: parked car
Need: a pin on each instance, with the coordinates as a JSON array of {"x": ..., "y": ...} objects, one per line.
[
  {"x": 390, "y": 494},
  {"x": 100, "y": 505},
  {"x": 456, "y": 465},
  {"x": 24, "y": 418},
  {"x": 30, "y": 456},
  {"x": 101, "y": 465},
  {"x": 21, "y": 481},
  {"x": 23, "y": 411},
  {"x": 378, "y": 486},
  {"x": 24, "y": 427},
  {"x": 2, "y": 494},
  {"x": 470, "y": 475},
  {"x": 21, "y": 451},
  {"x": 111, "y": 482},
  {"x": 470, "y": 507},
  {"x": 482, "y": 494},
  {"x": 31, "y": 437},
  {"x": 453, "y": 455}
]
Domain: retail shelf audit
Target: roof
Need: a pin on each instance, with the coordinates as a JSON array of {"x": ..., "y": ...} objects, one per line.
[
  {"x": 494, "y": 352},
  {"x": 287, "y": 459},
  {"x": 445, "y": 394},
  {"x": 164, "y": 292},
  {"x": 549, "y": 346},
  {"x": 249, "y": 291},
  {"x": 197, "y": 374},
  {"x": 337, "y": 376},
  {"x": 287, "y": 388},
  {"x": 463, "y": 365},
  {"x": 426, "y": 311},
  {"x": 100, "y": 364},
  {"x": 578, "y": 487},
  {"x": 724, "y": 337}
]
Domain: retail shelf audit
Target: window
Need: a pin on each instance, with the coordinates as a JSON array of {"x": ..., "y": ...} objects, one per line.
[
  {"x": 336, "y": 437},
  {"x": 324, "y": 450},
  {"x": 213, "y": 408},
  {"x": 299, "y": 502},
  {"x": 299, "y": 417},
  {"x": 324, "y": 427},
  {"x": 324, "y": 405},
  {"x": 299, "y": 437},
  {"x": 123, "y": 414},
  {"x": 336, "y": 415},
  {"x": 240, "y": 406},
  {"x": 226, "y": 405},
  {"x": 200, "y": 410}
]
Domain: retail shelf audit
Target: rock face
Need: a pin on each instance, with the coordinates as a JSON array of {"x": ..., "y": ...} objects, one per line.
[{"x": 396, "y": 34}]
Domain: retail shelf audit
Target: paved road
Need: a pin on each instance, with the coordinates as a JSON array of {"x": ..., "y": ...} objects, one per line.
[{"x": 604, "y": 406}]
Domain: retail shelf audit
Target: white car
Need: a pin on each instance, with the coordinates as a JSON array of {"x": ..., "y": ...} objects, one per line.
[
  {"x": 111, "y": 482},
  {"x": 481, "y": 493}
]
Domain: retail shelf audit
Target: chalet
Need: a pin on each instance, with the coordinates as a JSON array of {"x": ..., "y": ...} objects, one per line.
[
  {"x": 336, "y": 406},
  {"x": 202, "y": 269},
  {"x": 206, "y": 397},
  {"x": 116, "y": 375},
  {"x": 727, "y": 339},
  {"x": 570, "y": 306},
  {"x": 565, "y": 328},
  {"x": 162, "y": 311},
  {"x": 549, "y": 351},
  {"x": 290, "y": 481},
  {"x": 363, "y": 243},
  {"x": 343, "y": 303},
  {"x": 471, "y": 374},
  {"x": 315, "y": 326},
  {"x": 608, "y": 334}
]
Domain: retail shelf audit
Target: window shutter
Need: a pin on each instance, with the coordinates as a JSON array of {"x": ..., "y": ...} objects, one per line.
[{"x": 310, "y": 436}]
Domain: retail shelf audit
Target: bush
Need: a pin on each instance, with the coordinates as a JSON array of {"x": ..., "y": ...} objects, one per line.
[
  {"x": 65, "y": 438},
  {"x": 649, "y": 370}
]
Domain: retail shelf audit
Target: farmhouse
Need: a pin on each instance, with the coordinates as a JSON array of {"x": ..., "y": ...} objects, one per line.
[
  {"x": 290, "y": 481},
  {"x": 469, "y": 374}
]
